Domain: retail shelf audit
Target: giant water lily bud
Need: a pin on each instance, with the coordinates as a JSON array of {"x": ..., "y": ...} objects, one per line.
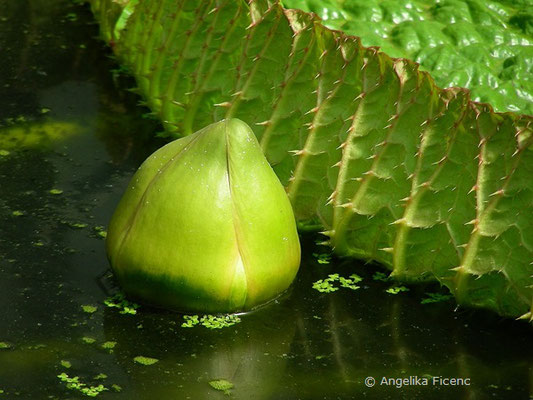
[{"x": 205, "y": 225}]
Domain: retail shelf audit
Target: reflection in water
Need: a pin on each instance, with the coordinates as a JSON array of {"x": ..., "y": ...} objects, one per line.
[{"x": 253, "y": 355}]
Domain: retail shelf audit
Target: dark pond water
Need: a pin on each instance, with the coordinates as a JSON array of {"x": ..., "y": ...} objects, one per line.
[{"x": 71, "y": 136}]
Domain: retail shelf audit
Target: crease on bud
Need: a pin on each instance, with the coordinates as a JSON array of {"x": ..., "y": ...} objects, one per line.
[{"x": 205, "y": 225}]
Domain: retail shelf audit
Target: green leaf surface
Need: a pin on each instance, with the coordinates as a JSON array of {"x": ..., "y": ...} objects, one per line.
[
  {"x": 395, "y": 169},
  {"x": 482, "y": 45}
]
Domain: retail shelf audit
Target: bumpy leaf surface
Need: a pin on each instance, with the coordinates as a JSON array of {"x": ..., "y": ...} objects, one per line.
[
  {"x": 483, "y": 45},
  {"x": 393, "y": 168}
]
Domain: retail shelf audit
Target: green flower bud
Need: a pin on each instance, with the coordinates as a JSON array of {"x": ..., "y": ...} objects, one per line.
[{"x": 205, "y": 225}]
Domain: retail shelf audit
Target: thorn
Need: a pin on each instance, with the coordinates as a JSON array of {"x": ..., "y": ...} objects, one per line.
[
  {"x": 299, "y": 152},
  {"x": 264, "y": 123},
  {"x": 474, "y": 221},
  {"x": 387, "y": 249},
  {"x": 238, "y": 93},
  {"x": 337, "y": 164},
  {"x": 342, "y": 145},
  {"x": 474, "y": 188},
  {"x": 395, "y": 116},
  {"x": 440, "y": 161},
  {"x": 346, "y": 205},
  {"x": 331, "y": 198},
  {"x": 388, "y": 126},
  {"x": 399, "y": 221},
  {"x": 329, "y": 233},
  {"x": 460, "y": 268},
  {"x": 406, "y": 199},
  {"x": 497, "y": 193},
  {"x": 361, "y": 96},
  {"x": 527, "y": 315},
  {"x": 312, "y": 110},
  {"x": 323, "y": 54}
]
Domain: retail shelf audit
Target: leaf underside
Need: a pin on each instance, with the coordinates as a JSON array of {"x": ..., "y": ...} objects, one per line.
[{"x": 395, "y": 169}]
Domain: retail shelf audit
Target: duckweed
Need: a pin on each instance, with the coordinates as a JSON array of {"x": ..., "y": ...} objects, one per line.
[
  {"x": 326, "y": 285},
  {"x": 74, "y": 383},
  {"x": 119, "y": 301},
  {"x": 89, "y": 309},
  {"x": 396, "y": 289},
  {"x": 436, "y": 298},
  {"x": 145, "y": 360},
  {"x": 222, "y": 385},
  {"x": 210, "y": 321}
]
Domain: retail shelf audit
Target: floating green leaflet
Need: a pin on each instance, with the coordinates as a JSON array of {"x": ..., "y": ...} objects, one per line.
[
  {"x": 396, "y": 289},
  {"x": 210, "y": 321},
  {"x": 327, "y": 285},
  {"x": 145, "y": 360},
  {"x": 119, "y": 301},
  {"x": 89, "y": 309},
  {"x": 74, "y": 383},
  {"x": 222, "y": 385}
]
